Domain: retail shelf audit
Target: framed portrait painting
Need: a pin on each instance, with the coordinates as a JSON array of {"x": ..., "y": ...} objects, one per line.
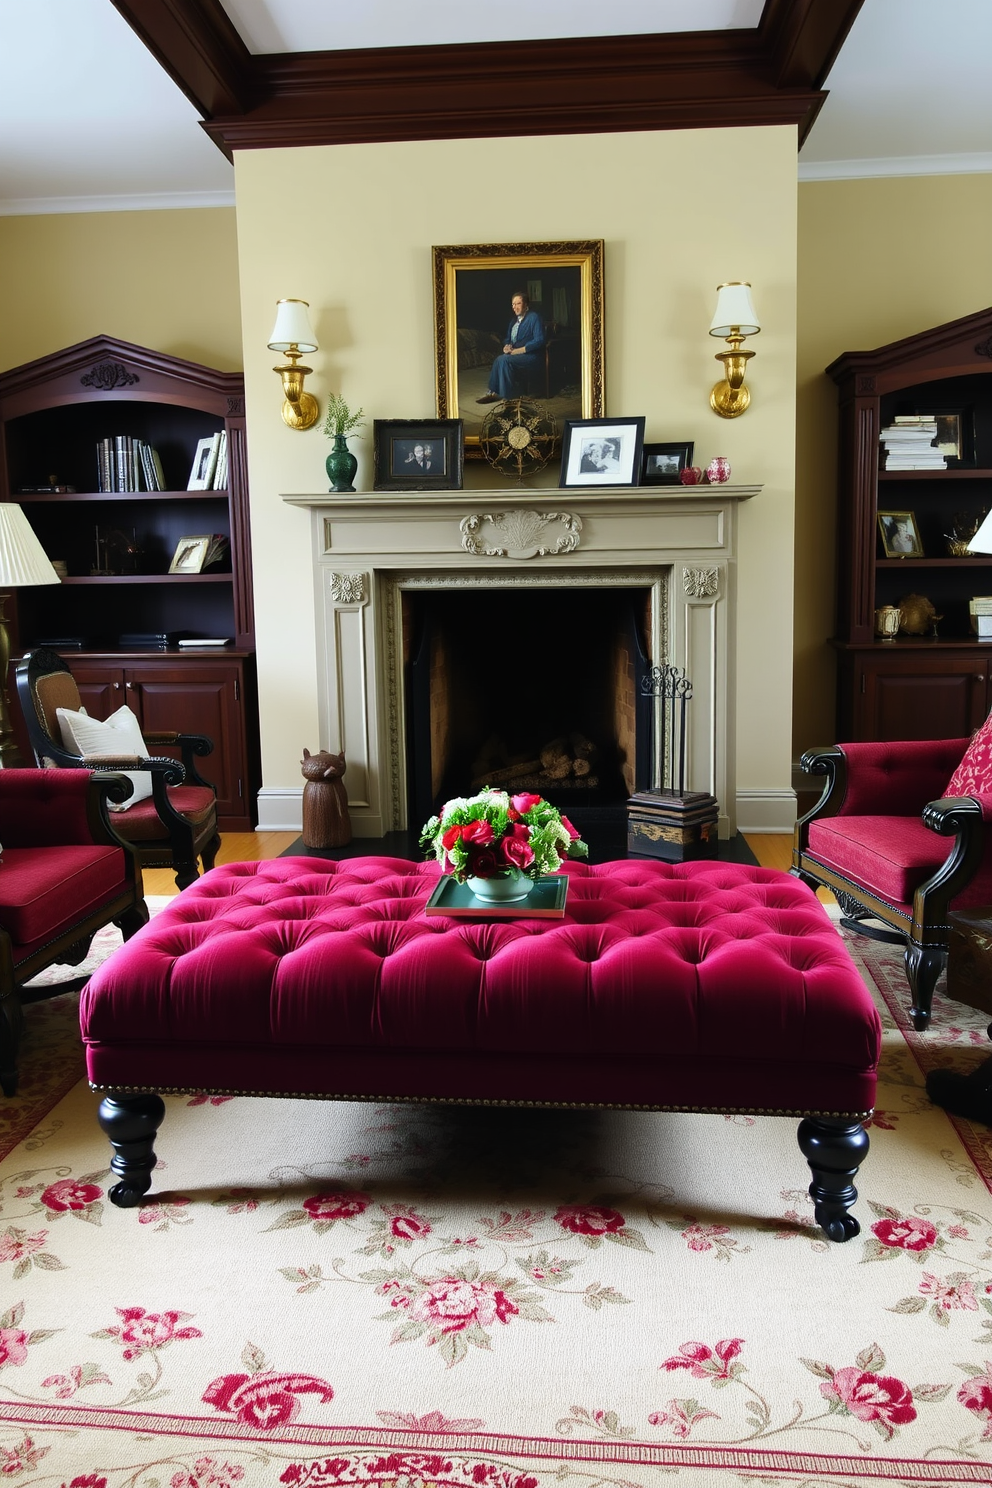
[
  {"x": 518, "y": 320},
  {"x": 417, "y": 454},
  {"x": 602, "y": 452}
]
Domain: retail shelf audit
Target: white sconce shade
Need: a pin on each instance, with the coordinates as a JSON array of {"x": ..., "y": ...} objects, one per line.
[
  {"x": 23, "y": 560},
  {"x": 735, "y": 313},
  {"x": 292, "y": 327}
]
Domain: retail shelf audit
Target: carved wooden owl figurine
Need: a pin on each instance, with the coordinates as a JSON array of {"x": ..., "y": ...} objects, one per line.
[{"x": 326, "y": 822}]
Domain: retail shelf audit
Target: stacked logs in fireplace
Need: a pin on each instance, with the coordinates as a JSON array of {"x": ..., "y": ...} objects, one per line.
[{"x": 567, "y": 761}]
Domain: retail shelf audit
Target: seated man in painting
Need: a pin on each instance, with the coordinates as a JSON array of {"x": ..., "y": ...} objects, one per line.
[{"x": 523, "y": 352}]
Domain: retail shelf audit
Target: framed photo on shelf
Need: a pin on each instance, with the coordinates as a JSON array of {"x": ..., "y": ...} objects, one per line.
[
  {"x": 602, "y": 452},
  {"x": 550, "y": 296},
  {"x": 190, "y": 555},
  {"x": 417, "y": 454},
  {"x": 954, "y": 434},
  {"x": 900, "y": 535},
  {"x": 663, "y": 463},
  {"x": 204, "y": 464}
]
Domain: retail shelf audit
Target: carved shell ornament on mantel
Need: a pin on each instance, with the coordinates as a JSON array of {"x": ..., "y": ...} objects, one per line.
[{"x": 519, "y": 534}]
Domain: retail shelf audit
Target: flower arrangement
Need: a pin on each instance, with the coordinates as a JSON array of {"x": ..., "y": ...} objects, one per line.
[
  {"x": 340, "y": 419},
  {"x": 490, "y": 834}
]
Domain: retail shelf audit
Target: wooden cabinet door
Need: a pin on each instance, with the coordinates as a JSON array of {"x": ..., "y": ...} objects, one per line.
[
  {"x": 101, "y": 687},
  {"x": 906, "y": 695},
  {"x": 198, "y": 698}
]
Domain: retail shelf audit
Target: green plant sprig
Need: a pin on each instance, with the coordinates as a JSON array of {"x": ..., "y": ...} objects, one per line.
[{"x": 339, "y": 418}]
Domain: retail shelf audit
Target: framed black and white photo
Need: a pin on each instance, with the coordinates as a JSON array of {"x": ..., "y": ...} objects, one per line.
[
  {"x": 418, "y": 454},
  {"x": 664, "y": 463},
  {"x": 201, "y": 476},
  {"x": 602, "y": 452},
  {"x": 518, "y": 320}
]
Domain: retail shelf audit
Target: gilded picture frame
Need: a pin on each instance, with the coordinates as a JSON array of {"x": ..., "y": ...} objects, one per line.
[{"x": 474, "y": 289}]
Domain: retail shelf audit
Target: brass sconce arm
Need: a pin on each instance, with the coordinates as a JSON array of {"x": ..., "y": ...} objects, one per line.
[
  {"x": 293, "y": 336},
  {"x": 735, "y": 319}
]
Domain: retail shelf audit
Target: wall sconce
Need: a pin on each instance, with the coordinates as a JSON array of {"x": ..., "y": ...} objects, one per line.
[
  {"x": 293, "y": 336},
  {"x": 735, "y": 318}
]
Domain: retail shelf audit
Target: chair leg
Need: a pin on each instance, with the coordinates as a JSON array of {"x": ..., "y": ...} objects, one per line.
[
  {"x": 131, "y": 921},
  {"x": 186, "y": 872},
  {"x": 11, "y": 1021},
  {"x": 923, "y": 966},
  {"x": 210, "y": 851}
]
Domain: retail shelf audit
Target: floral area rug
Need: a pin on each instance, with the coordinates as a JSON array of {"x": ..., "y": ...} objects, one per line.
[{"x": 334, "y": 1294}]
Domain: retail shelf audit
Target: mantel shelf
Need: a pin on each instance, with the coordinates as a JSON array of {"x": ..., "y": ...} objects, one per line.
[{"x": 501, "y": 496}]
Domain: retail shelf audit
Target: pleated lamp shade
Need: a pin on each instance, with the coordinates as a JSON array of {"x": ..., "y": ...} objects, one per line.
[{"x": 23, "y": 560}]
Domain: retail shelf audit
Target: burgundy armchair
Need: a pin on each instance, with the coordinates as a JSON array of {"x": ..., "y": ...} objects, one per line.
[
  {"x": 63, "y": 876},
  {"x": 895, "y": 847}
]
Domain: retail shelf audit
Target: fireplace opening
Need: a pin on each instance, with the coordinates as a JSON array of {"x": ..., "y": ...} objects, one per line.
[{"x": 528, "y": 689}]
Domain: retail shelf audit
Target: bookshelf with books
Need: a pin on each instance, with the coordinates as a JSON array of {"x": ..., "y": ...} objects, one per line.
[
  {"x": 915, "y": 483},
  {"x": 131, "y": 466}
]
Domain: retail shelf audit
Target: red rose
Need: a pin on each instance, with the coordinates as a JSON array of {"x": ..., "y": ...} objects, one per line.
[
  {"x": 451, "y": 836},
  {"x": 478, "y": 833},
  {"x": 871, "y": 1397},
  {"x": 525, "y": 802},
  {"x": 337, "y": 1204},
  {"x": 976, "y": 1395},
  {"x": 570, "y": 829},
  {"x": 451, "y": 1304},
  {"x": 517, "y": 853},
  {"x": 264, "y": 1400},
  {"x": 589, "y": 1219},
  {"x": 484, "y": 862},
  {"x": 68, "y": 1194},
  {"x": 409, "y": 1226},
  {"x": 905, "y": 1234}
]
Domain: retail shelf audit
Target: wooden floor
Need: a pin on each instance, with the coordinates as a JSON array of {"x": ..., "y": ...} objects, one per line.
[{"x": 251, "y": 847}]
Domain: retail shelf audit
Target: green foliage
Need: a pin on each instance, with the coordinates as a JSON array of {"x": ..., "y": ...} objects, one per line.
[{"x": 339, "y": 418}]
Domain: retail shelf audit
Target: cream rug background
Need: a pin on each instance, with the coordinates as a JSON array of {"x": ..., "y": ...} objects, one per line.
[{"x": 323, "y": 1293}]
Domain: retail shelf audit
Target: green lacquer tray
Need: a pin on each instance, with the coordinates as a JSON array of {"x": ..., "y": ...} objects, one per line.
[{"x": 546, "y": 901}]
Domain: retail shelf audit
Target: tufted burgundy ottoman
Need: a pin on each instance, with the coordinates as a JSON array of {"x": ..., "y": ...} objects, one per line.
[{"x": 696, "y": 986}]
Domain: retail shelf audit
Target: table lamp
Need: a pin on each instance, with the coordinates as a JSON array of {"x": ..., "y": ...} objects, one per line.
[{"x": 23, "y": 562}]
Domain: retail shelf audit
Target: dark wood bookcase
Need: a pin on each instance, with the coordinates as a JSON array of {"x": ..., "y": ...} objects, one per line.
[
  {"x": 938, "y": 685},
  {"x": 53, "y": 414}
]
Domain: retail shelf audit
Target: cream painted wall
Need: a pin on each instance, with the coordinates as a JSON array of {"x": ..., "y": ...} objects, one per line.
[
  {"x": 350, "y": 229},
  {"x": 168, "y": 280},
  {"x": 878, "y": 260}
]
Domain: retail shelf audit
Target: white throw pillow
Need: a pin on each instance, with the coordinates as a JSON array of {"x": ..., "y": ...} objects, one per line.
[{"x": 119, "y": 734}]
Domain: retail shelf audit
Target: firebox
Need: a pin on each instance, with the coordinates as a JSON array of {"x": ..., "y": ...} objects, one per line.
[{"x": 532, "y": 690}]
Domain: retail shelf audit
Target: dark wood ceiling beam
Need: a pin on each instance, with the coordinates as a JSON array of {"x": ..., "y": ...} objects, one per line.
[
  {"x": 683, "y": 80},
  {"x": 199, "y": 47}
]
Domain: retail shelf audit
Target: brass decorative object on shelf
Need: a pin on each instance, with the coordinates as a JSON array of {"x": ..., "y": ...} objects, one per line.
[
  {"x": 519, "y": 437},
  {"x": 964, "y": 526},
  {"x": 917, "y": 615}
]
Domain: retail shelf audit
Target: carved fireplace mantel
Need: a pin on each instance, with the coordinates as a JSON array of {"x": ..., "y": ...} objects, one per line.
[{"x": 679, "y": 543}]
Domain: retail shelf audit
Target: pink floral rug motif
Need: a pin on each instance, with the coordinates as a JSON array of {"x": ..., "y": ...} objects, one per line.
[{"x": 331, "y": 1294}]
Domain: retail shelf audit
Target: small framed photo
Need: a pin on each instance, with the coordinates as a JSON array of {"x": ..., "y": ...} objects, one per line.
[
  {"x": 601, "y": 452},
  {"x": 900, "y": 535},
  {"x": 190, "y": 555},
  {"x": 954, "y": 435},
  {"x": 204, "y": 464},
  {"x": 418, "y": 454},
  {"x": 663, "y": 463}
]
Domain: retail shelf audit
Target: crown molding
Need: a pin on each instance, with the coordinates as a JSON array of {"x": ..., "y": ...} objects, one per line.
[
  {"x": 769, "y": 75},
  {"x": 161, "y": 201},
  {"x": 966, "y": 164}
]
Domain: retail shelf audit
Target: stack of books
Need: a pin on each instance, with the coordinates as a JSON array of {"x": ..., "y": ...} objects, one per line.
[
  {"x": 127, "y": 464},
  {"x": 908, "y": 444}
]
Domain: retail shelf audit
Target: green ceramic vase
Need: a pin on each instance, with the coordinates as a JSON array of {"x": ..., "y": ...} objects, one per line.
[{"x": 341, "y": 465}]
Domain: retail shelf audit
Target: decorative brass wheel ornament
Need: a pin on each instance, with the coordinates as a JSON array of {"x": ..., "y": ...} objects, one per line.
[{"x": 519, "y": 437}]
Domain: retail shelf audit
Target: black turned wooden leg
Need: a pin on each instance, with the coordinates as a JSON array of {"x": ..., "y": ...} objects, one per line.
[
  {"x": 923, "y": 966},
  {"x": 131, "y": 921},
  {"x": 209, "y": 853},
  {"x": 835, "y": 1147},
  {"x": 11, "y": 1022},
  {"x": 131, "y": 1122}
]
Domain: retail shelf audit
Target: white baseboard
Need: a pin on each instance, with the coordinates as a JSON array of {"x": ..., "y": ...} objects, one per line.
[
  {"x": 766, "y": 811},
  {"x": 280, "y": 809}
]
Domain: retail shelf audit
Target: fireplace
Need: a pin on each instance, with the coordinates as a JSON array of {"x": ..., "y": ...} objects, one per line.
[{"x": 567, "y": 596}]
